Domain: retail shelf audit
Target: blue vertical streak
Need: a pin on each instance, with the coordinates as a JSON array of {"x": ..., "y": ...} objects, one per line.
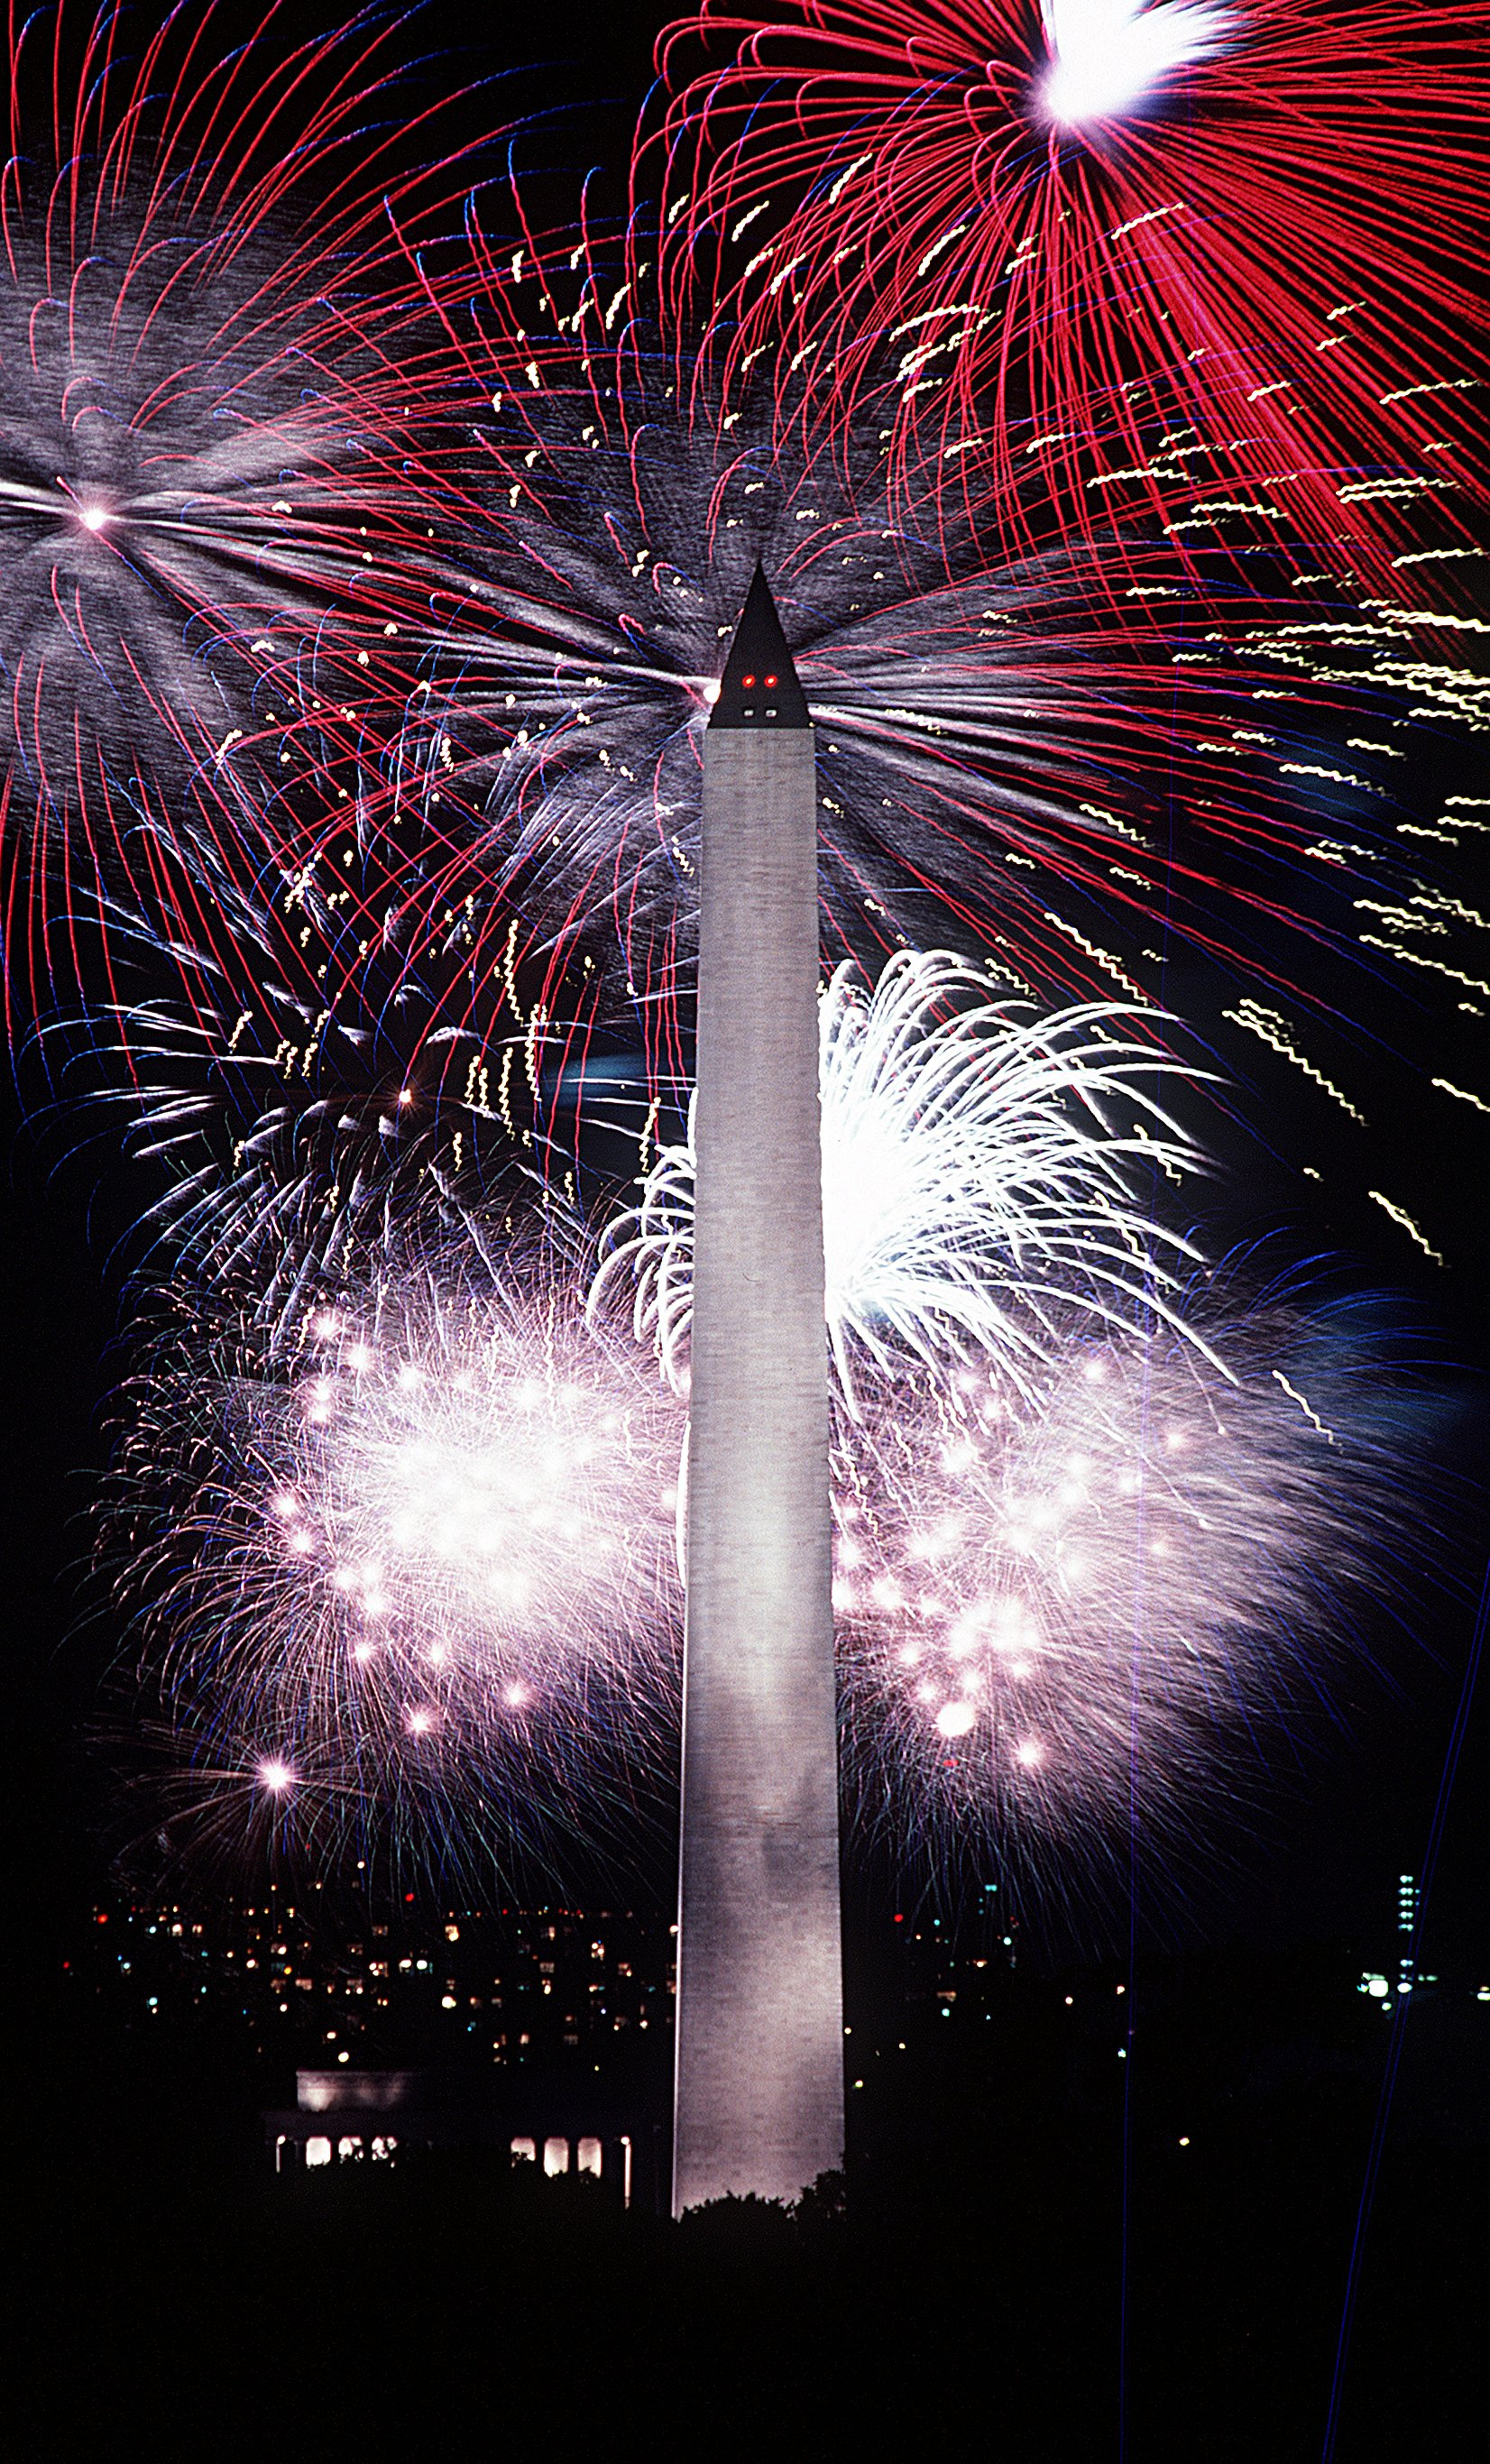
[{"x": 1398, "y": 2040}]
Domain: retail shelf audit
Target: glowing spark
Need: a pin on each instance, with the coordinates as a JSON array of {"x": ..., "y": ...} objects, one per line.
[
  {"x": 1449, "y": 1089},
  {"x": 1405, "y": 1222}
]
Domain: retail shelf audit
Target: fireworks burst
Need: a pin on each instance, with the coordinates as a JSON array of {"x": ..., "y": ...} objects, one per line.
[
  {"x": 413, "y": 1583},
  {"x": 211, "y": 351},
  {"x": 420, "y": 1559},
  {"x": 988, "y": 740},
  {"x": 366, "y": 604},
  {"x": 978, "y": 1195},
  {"x": 1043, "y": 226},
  {"x": 1108, "y": 57},
  {"x": 1054, "y": 1623},
  {"x": 308, "y": 1082}
]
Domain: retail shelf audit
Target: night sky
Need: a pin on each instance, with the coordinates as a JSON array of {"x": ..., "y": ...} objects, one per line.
[{"x": 1027, "y": 2263}]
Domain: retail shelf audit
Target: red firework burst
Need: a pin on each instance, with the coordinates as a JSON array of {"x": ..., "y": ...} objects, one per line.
[{"x": 1057, "y": 227}]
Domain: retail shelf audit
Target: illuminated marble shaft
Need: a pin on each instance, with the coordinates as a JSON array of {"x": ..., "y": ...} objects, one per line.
[{"x": 759, "y": 2086}]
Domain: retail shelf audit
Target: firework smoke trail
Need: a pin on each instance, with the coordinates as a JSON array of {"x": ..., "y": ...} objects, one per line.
[
  {"x": 988, "y": 741},
  {"x": 1042, "y": 226},
  {"x": 413, "y": 1556},
  {"x": 1157, "y": 1570},
  {"x": 212, "y": 354},
  {"x": 977, "y": 1195}
]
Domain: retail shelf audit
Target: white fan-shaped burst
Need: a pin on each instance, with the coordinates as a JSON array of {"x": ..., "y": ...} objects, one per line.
[
  {"x": 974, "y": 1188},
  {"x": 1106, "y": 56}
]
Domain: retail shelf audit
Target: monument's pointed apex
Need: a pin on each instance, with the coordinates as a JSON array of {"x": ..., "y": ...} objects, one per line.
[{"x": 759, "y": 686}]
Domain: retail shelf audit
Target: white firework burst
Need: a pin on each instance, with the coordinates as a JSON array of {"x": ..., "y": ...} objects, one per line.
[
  {"x": 1114, "y": 1618},
  {"x": 983, "y": 1176},
  {"x": 421, "y": 1544}
]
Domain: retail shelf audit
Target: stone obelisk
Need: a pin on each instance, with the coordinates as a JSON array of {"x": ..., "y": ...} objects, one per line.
[{"x": 760, "y": 2084}]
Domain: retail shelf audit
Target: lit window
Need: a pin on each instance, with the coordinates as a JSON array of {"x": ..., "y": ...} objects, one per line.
[
  {"x": 524, "y": 2152},
  {"x": 318, "y": 2151},
  {"x": 556, "y": 2156},
  {"x": 590, "y": 2157}
]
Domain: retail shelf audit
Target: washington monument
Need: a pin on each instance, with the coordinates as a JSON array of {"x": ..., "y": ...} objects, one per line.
[{"x": 760, "y": 2084}]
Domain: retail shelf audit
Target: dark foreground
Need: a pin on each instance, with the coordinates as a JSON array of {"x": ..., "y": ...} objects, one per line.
[{"x": 968, "y": 2297}]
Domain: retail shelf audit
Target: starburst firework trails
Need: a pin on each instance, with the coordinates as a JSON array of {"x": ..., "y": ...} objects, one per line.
[
  {"x": 977, "y": 1191},
  {"x": 990, "y": 726},
  {"x": 212, "y": 355}
]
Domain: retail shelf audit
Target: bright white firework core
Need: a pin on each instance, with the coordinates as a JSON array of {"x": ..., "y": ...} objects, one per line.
[
  {"x": 469, "y": 1497},
  {"x": 1107, "y": 55},
  {"x": 1032, "y": 1607}
]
